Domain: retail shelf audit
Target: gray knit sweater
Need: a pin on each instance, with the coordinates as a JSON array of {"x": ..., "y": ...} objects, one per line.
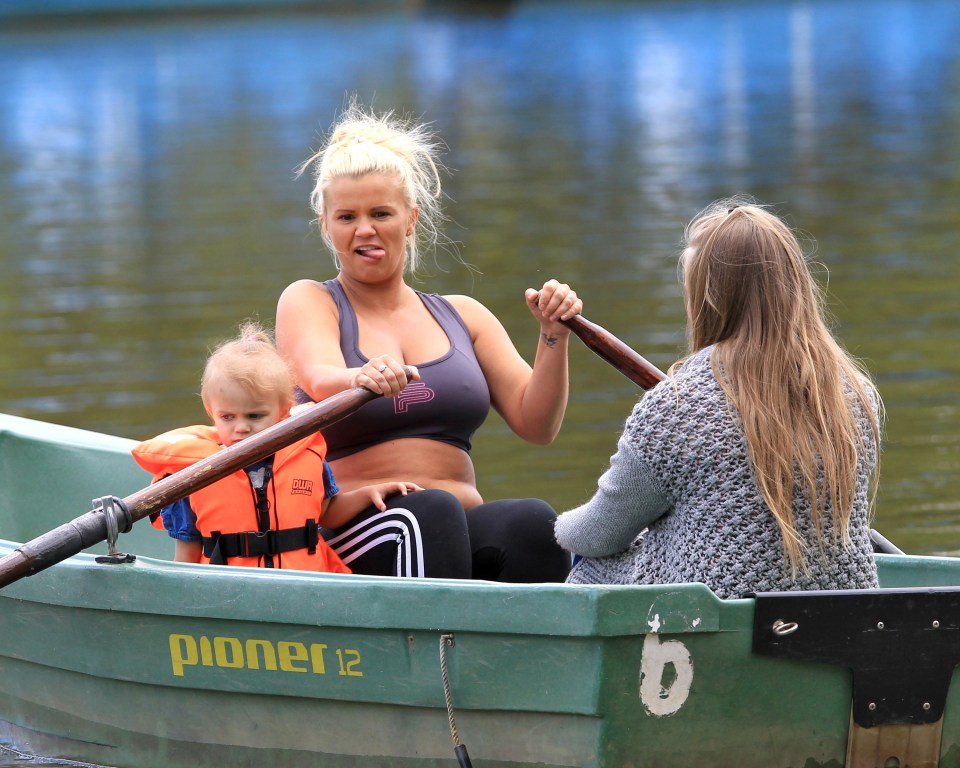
[{"x": 680, "y": 503}]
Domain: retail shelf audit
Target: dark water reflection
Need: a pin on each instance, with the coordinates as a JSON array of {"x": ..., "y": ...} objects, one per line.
[{"x": 149, "y": 202}]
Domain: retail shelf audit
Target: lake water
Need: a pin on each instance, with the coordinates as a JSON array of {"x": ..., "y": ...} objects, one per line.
[
  {"x": 150, "y": 205},
  {"x": 149, "y": 202}
]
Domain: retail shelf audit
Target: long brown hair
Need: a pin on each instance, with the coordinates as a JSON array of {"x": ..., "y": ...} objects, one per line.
[{"x": 749, "y": 291}]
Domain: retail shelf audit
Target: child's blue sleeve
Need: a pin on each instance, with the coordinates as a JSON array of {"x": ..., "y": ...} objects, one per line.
[
  {"x": 330, "y": 487},
  {"x": 181, "y": 521}
]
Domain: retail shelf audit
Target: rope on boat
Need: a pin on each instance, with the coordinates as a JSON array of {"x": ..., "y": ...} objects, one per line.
[{"x": 460, "y": 750}]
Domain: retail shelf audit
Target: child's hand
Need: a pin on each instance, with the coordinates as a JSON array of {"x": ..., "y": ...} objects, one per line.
[{"x": 379, "y": 493}]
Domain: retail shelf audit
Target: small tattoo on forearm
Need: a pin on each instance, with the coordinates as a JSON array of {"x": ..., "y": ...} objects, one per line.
[{"x": 550, "y": 341}]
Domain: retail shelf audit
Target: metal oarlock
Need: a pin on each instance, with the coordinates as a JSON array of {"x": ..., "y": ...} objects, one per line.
[{"x": 114, "y": 512}]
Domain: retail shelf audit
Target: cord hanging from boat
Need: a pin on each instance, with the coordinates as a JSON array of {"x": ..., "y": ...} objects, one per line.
[{"x": 460, "y": 750}]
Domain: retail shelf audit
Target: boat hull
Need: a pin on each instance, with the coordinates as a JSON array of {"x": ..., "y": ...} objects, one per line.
[{"x": 155, "y": 663}]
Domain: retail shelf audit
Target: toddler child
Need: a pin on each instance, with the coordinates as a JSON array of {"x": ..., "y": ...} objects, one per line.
[{"x": 268, "y": 514}]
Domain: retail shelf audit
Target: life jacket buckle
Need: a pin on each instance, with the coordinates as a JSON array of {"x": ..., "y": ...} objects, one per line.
[{"x": 266, "y": 543}]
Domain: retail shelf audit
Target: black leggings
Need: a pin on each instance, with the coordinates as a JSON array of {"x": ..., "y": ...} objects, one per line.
[
  {"x": 427, "y": 533},
  {"x": 421, "y": 534},
  {"x": 512, "y": 540}
]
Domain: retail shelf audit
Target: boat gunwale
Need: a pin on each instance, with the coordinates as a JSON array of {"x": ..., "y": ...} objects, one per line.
[{"x": 152, "y": 585}]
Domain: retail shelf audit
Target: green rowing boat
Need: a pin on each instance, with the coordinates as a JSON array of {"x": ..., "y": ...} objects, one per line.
[{"x": 142, "y": 662}]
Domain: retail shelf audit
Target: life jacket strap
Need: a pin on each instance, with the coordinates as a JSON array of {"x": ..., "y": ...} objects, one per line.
[{"x": 220, "y": 547}]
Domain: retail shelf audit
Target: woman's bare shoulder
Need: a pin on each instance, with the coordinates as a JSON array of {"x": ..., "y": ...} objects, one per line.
[
  {"x": 305, "y": 293},
  {"x": 305, "y": 287},
  {"x": 468, "y": 307},
  {"x": 484, "y": 326}
]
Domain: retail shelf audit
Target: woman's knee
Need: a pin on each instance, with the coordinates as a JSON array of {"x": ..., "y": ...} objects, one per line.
[
  {"x": 433, "y": 508},
  {"x": 441, "y": 530},
  {"x": 513, "y": 540},
  {"x": 511, "y": 519}
]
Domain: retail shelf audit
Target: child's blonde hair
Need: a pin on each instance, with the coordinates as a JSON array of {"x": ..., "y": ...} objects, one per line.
[{"x": 252, "y": 361}]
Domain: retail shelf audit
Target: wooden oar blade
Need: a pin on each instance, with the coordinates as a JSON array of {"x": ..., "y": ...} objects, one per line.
[{"x": 91, "y": 528}]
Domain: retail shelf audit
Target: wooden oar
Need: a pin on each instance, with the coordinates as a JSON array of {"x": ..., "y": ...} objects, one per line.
[
  {"x": 95, "y": 526},
  {"x": 883, "y": 545},
  {"x": 632, "y": 365}
]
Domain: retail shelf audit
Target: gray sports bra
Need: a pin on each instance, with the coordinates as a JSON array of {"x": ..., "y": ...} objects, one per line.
[{"x": 449, "y": 403}]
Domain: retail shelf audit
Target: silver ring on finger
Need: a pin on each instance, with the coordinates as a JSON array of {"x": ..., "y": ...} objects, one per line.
[{"x": 381, "y": 368}]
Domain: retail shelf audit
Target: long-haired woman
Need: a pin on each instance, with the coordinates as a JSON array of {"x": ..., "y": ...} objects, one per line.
[{"x": 753, "y": 466}]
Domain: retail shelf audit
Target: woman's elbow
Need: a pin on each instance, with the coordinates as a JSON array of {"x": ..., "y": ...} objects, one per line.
[
  {"x": 539, "y": 432},
  {"x": 545, "y": 439}
]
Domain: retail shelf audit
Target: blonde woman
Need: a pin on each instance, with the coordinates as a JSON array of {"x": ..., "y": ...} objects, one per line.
[
  {"x": 377, "y": 200},
  {"x": 752, "y": 467}
]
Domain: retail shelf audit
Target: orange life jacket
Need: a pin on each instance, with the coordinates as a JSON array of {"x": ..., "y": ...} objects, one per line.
[{"x": 227, "y": 509}]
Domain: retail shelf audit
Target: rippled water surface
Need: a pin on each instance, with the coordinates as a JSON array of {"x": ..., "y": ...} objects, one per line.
[{"x": 149, "y": 202}]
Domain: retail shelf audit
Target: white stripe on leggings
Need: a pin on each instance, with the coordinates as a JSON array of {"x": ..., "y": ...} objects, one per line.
[{"x": 368, "y": 534}]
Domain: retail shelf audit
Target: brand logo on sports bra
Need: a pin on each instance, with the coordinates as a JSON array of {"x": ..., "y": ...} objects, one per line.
[{"x": 415, "y": 392}]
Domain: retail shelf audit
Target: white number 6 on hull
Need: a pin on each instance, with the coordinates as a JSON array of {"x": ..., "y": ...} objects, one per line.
[{"x": 658, "y": 698}]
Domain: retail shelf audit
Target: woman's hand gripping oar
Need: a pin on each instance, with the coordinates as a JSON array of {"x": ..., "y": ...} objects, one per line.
[
  {"x": 119, "y": 515},
  {"x": 635, "y": 367}
]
